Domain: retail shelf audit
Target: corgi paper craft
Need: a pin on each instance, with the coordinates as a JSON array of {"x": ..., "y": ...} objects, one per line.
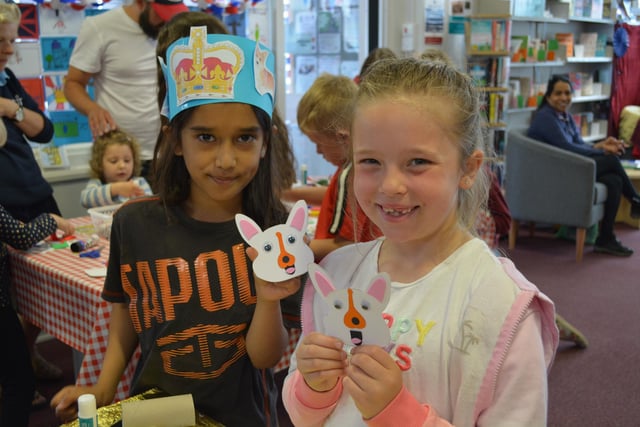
[
  {"x": 282, "y": 251},
  {"x": 354, "y": 315}
]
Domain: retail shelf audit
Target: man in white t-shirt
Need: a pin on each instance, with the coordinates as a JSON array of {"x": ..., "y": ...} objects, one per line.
[{"x": 117, "y": 50}]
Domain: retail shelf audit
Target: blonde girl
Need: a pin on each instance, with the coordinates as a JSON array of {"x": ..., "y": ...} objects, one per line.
[{"x": 472, "y": 339}]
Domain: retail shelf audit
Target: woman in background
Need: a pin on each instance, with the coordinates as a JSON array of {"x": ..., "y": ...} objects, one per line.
[
  {"x": 25, "y": 193},
  {"x": 552, "y": 123}
]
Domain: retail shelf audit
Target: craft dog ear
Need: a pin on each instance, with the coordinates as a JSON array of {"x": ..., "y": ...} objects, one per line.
[
  {"x": 380, "y": 288},
  {"x": 298, "y": 216},
  {"x": 247, "y": 227},
  {"x": 320, "y": 280}
]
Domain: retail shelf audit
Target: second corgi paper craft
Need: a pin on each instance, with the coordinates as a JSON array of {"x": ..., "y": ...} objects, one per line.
[
  {"x": 282, "y": 252},
  {"x": 354, "y": 315}
]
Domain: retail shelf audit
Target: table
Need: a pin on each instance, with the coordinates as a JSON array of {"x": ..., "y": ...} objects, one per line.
[
  {"x": 54, "y": 292},
  {"x": 625, "y": 206}
]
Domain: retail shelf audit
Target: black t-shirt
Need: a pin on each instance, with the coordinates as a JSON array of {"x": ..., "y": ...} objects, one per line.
[{"x": 191, "y": 295}]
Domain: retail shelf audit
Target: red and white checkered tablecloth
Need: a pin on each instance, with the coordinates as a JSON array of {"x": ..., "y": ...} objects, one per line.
[
  {"x": 283, "y": 363},
  {"x": 54, "y": 292}
]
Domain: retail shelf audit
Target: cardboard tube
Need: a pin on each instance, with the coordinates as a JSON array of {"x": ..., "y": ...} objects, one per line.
[{"x": 173, "y": 411}]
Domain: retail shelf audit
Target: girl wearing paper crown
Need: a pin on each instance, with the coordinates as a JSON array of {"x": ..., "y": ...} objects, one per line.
[{"x": 179, "y": 277}]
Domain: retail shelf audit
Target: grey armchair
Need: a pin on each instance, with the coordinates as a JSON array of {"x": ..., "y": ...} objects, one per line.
[{"x": 545, "y": 184}]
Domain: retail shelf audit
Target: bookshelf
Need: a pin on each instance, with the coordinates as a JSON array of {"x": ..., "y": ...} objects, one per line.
[
  {"x": 487, "y": 41},
  {"x": 586, "y": 56}
]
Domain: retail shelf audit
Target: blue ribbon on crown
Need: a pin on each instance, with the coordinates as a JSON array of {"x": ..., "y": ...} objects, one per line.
[{"x": 213, "y": 68}]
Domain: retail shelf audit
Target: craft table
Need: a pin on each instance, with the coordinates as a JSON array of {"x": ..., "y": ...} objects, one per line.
[{"x": 54, "y": 292}]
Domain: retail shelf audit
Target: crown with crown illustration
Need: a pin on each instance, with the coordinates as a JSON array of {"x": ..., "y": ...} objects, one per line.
[{"x": 212, "y": 68}]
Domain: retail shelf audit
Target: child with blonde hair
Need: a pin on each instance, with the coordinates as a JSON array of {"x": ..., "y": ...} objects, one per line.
[
  {"x": 324, "y": 116},
  {"x": 115, "y": 168},
  {"x": 472, "y": 340}
]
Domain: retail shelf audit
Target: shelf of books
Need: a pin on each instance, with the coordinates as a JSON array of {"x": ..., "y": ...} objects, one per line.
[
  {"x": 488, "y": 36},
  {"x": 488, "y": 39},
  {"x": 561, "y": 37}
]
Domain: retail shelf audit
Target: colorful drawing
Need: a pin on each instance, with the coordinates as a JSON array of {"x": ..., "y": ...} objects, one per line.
[
  {"x": 69, "y": 127},
  {"x": 265, "y": 82},
  {"x": 53, "y": 88},
  {"x": 56, "y": 52},
  {"x": 282, "y": 252},
  {"x": 236, "y": 24},
  {"x": 29, "y": 28},
  {"x": 59, "y": 19}
]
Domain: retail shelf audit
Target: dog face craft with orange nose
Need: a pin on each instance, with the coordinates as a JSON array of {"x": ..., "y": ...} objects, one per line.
[
  {"x": 282, "y": 251},
  {"x": 354, "y": 315}
]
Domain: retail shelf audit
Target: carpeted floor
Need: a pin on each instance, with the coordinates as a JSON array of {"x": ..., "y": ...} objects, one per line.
[
  {"x": 599, "y": 386},
  {"x": 61, "y": 355}
]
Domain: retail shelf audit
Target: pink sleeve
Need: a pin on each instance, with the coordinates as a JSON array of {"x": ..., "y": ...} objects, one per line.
[
  {"x": 405, "y": 410},
  {"x": 307, "y": 407}
]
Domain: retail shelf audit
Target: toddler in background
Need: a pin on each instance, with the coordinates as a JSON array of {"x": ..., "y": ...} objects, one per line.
[{"x": 115, "y": 169}]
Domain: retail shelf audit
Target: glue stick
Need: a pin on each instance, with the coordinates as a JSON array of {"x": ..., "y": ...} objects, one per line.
[{"x": 87, "y": 411}]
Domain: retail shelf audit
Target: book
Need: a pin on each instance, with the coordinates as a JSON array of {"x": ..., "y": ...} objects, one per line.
[
  {"x": 566, "y": 40},
  {"x": 532, "y": 8},
  {"x": 576, "y": 83},
  {"x": 488, "y": 71},
  {"x": 601, "y": 45},
  {"x": 501, "y": 32},
  {"x": 589, "y": 40},
  {"x": 480, "y": 71},
  {"x": 597, "y": 9},
  {"x": 586, "y": 80},
  {"x": 585, "y": 123},
  {"x": 481, "y": 35},
  {"x": 519, "y": 47}
]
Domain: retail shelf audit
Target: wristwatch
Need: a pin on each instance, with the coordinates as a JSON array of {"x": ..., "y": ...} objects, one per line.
[
  {"x": 19, "y": 114},
  {"x": 20, "y": 111}
]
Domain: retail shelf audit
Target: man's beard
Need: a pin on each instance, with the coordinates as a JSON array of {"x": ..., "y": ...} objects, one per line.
[{"x": 145, "y": 23}]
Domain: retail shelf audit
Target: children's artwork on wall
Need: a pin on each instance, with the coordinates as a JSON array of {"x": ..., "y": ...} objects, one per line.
[
  {"x": 56, "y": 52},
  {"x": 26, "y": 62},
  {"x": 282, "y": 251},
  {"x": 69, "y": 127},
  {"x": 33, "y": 86},
  {"x": 54, "y": 92},
  {"x": 61, "y": 21},
  {"x": 29, "y": 28},
  {"x": 258, "y": 23},
  {"x": 237, "y": 24},
  {"x": 50, "y": 156},
  {"x": 355, "y": 316},
  {"x": 92, "y": 11}
]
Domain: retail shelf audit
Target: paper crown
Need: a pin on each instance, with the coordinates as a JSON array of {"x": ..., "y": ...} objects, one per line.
[{"x": 213, "y": 68}]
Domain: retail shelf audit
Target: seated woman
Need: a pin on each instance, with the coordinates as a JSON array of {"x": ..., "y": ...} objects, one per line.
[{"x": 552, "y": 123}]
